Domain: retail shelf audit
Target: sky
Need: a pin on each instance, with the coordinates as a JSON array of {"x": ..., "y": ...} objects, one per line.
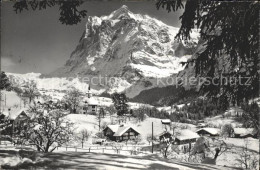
[{"x": 35, "y": 41}]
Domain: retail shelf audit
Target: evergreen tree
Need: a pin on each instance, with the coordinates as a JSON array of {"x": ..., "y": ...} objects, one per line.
[
  {"x": 5, "y": 83},
  {"x": 69, "y": 12},
  {"x": 119, "y": 100},
  {"x": 5, "y": 125},
  {"x": 230, "y": 31}
]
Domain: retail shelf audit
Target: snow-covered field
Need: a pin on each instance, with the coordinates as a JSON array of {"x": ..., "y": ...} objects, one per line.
[
  {"x": 81, "y": 160},
  {"x": 219, "y": 121}
]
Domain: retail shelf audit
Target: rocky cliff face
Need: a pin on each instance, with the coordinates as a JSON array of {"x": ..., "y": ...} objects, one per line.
[{"x": 129, "y": 46}]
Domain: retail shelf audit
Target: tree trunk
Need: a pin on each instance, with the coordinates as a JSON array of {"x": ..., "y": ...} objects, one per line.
[
  {"x": 38, "y": 148},
  {"x": 217, "y": 153}
]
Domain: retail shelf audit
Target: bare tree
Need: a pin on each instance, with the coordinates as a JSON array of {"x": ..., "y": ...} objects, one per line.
[
  {"x": 45, "y": 130},
  {"x": 99, "y": 118},
  {"x": 247, "y": 159},
  {"x": 140, "y": 113},
  {"x": 137, "y": 139},
  {"x": 205, "y": 145},
  {"x": 30, "y": 90},
  {"x": 117, "y": 147},
  {"x": 166, "y": 147},
  {"x": 201, "y": 147},
  {"x": 111, "y": 110},
  {"x": 83, "y": 136}
]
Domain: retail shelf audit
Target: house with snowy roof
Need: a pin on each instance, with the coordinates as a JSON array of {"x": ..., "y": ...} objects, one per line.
[
  {"x": 234, "y": 112},
  {"x": 166, "y": 121},
  {"x": 244, "y": 132},
  {"x": 208, "y": 132},
  {"x": 89, "y": 106},
  {"x": 186, "y": 136},
  {"x": 120, "y": 132},
  {"x": 185, "y": 140}
]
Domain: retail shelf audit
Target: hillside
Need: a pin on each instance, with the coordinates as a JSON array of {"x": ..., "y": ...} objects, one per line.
[{"x": 169, "y": 95}]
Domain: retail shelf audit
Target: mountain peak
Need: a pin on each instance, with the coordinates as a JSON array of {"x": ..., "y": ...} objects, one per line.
[
  {"x": 124, "y": 7},
  {"x": 122, "y": 11}
]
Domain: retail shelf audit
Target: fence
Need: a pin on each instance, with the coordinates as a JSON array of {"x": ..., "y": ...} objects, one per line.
[{"x": 125, "y": 150}]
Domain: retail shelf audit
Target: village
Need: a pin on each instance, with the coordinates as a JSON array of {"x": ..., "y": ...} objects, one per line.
[{"x": 99, "y": 129}]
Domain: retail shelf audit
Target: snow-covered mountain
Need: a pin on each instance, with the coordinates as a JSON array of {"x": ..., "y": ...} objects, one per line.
[{"x": 129, "y": 46}]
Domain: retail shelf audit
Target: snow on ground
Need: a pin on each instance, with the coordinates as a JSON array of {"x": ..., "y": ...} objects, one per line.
[
  {"x": 253, "y": 144},
  {"x": 79, "y": 160},
  {"x": 219, "y": 121},
  {"x": 11, "y": 99},
  {"x": 82, "y": 121},
  {"x": 230, "y": 158}
]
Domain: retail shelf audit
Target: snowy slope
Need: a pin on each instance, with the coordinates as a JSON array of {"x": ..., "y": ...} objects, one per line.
[{"x": 50, "y": 84}]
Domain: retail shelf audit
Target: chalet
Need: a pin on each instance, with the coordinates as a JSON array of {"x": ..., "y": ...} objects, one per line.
[
  {"x": 234, "y": 112},
  {"x": 201, "y": 125},
  {"x": 166, "y": 121},
  {"x": 120, "y": 132},
  {"x": 186, "y": 136},
  {"x": 208, "y": 132},
  {"x": 185, "y": 140},
  {"x": 244, "y": 132}
]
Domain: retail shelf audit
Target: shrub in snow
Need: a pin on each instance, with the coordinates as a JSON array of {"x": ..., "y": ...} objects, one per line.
[{"x": 227, "y": 130}]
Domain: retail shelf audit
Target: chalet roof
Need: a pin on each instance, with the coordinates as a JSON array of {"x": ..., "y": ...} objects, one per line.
[
  {"x": 212, "y": 131},
  {"x": 114, "y": 128},
  {"x": 244, "y": 131},
  {"x": 187, "y": 134},
  {"x": 14, "y": 113},
  {"x": 165, "y": 132},
  {"x": 120, "y": 129},
  {"x": 166, "y": 121}
]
